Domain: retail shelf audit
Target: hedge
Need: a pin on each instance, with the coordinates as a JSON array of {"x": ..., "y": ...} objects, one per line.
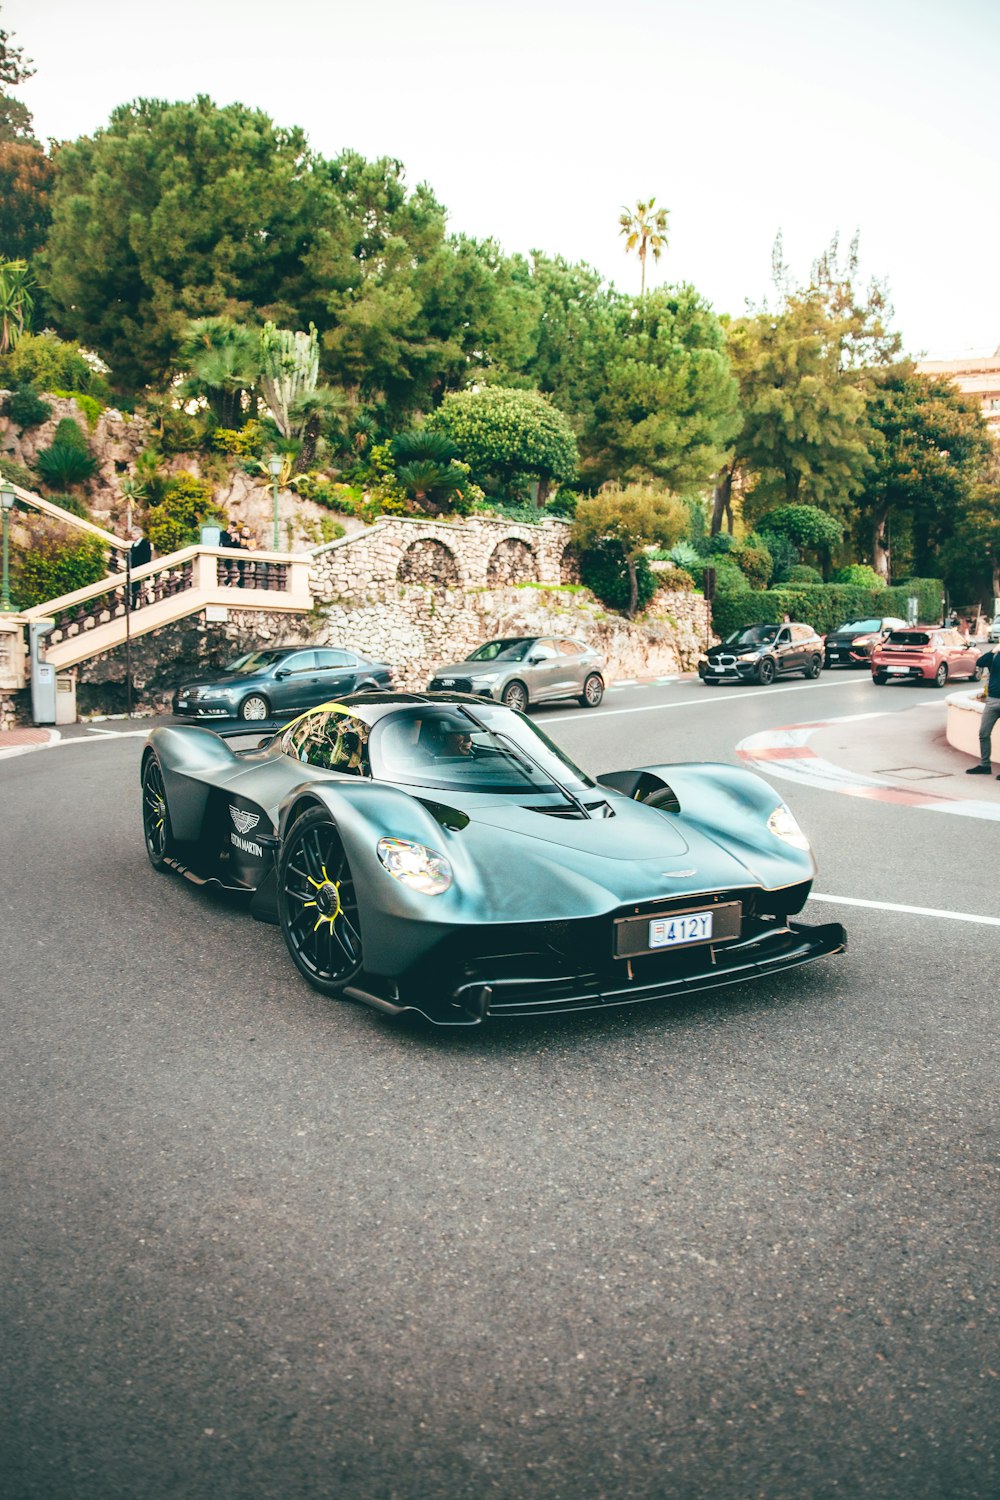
[{"x": 827, "y": 605}]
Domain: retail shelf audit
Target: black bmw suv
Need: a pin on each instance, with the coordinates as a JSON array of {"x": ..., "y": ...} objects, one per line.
[{"x": 760, "y": 653}]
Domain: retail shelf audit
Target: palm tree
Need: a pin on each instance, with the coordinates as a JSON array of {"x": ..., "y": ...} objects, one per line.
[
  {"x": 222, "y": 359},
  {"x": 16, "y": 301},
  {"x": 644, "y": 230}
]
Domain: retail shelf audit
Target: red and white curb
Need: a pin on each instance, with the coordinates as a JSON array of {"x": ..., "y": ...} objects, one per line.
[{"x": 787, "y": 754}]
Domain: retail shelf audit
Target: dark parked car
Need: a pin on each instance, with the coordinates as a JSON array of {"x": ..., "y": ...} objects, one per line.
[
  {"x": 437, "y": 853},
  {"x": 851, "y": 644},
  {"x": 760, "y": 653},
  {"x": 523, "y": 669},
  {"x": 925, "y": 653},
  {"x": 279, "y": 681}
]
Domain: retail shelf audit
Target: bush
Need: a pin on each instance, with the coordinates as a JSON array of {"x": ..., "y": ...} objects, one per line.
[
  {"x": 677, "y": 580},
  {"x": 754, "y": 561},
  {"x": 185, "y": 507},
  {"x": 25, "y": 408},
  {"x": 247, "y": 442},
  {"x": 69, "y": 434},
  {"x": 51, "y": 569},
  {"x": 802, "y": 573},
  {"x": 16, "y": 473},
  {"x": 784, "y": 557},
  {"x": 604, "y": 571},
  {"x": 64, "y": 464},
  {"x": 50, "y": 363},
  {"x": 824, "y": 606},
  {"x": 563, "y": 504},
  {"x": 72, "y": 503},
  {"x": 861, "y": 575}
]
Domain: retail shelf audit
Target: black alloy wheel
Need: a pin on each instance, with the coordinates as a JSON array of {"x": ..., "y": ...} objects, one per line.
[
  {"x": 941, "y": 676},
  {"x": 515, "y": 696},
  {"x": 765, "y": 672},
  {"x": 813, "y": 669},
  {"x": 155, "y": 815},
  {"x": 317, "y": 904},
  {"x": 255, "y": 707},
  {"x": 881, "y": 678},
  {"x": 593, "y": 691}
]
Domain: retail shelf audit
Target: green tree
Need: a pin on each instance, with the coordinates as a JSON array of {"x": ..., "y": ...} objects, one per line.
[
  {"x": 665, "y": 401},
  {"x": 175, "y": 212},
  {"x": 644, "y": 229},
  {"x": 929, "y": 449},
  {"x": 971, "y": 555},
  {"x": 625, "y": 520},
  {"x": 807, "y": 527},
  {"x": 510, "y": 436}
]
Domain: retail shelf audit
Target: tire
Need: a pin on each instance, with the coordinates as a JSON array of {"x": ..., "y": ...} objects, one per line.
[
  {"x": 881, "y": 678},
  {"x": 593, "y": 691},
  {"x": 254, "y": 708},
  {"x": 814, "y": 668},
  {"x": 156, "y": 828},
  {"x": 317, "y": 904},
  {"x": 941, "y": 676},
  {"x": 765, "y": 672},
  {"x": 515, "y": 696}
]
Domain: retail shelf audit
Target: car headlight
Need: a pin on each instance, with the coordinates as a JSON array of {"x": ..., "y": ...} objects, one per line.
[
  {"x": 485, "y": 681},
  {"x": 783, "y": 825},
  {"x": 420, "y": 868}
]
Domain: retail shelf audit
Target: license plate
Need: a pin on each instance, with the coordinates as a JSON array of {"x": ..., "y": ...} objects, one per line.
[
  {"x": 182, "y": 703},
  {"x": 898, "y": 671},
  {"x": 670, "y": 932}
]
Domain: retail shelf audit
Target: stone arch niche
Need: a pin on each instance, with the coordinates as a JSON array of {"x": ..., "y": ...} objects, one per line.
[
  {"x": 569, "y": 565},
  {"x": 512, "y": 561},
  {"x": 430, "y": 563}
]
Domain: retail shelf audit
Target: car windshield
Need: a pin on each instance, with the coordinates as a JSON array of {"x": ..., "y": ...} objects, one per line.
[
  {"x": 509, "y": 650},
  {"x": 752, "y": 635},
  {"x": 859, "y": 627},
  {"x": 255, "y": 661},
  {"x": 481, "y": 749}
]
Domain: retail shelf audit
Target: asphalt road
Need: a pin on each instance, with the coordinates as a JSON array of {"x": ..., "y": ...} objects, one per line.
[{"x": 258, "y": 1244}]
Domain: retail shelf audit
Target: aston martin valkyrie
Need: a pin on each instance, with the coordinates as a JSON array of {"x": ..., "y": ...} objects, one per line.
[{"x": 436, "y": 853}]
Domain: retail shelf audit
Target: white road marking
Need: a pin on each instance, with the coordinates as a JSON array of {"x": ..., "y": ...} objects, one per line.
[
  {"x": 914, "y": 911},
  {"x": 647, "y": 708}
]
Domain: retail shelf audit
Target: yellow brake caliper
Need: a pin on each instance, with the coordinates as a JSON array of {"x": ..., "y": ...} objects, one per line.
[{"x": 325, "y": 884}]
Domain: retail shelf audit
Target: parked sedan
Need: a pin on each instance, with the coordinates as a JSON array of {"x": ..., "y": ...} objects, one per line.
[
  {"x": 522, "y": 669},
  {"x": 279, "y": 681},
  {"x": 760, "y": 653},
  {"x": 994, "y": 632},
  {"x": 925, "y": 653},
  {"x": 852, "y": 643}
]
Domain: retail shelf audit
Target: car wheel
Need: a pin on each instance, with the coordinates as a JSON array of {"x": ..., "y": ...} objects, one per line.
[
  {"x": 941, "y": 676},
  {"x": 317, "y": 904},
  {"x": 814, "y": 667},
  {"x": 155, "y": 815},
  {"x": 593, "y": 691},
  {"x": 881, "y": 678},
  {"x": 765, "y": 672},
  {"x": 515, "y": 696},
  {"x": 255, "y": 707}
]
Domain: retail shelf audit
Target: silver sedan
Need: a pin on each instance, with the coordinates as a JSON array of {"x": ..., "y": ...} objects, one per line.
[{"x": 524, "y": 669}]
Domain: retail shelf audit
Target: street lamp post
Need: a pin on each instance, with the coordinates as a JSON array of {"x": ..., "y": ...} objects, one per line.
[
  {"x": 7, "y": 503},
  {"x": 274, "y": 466}
]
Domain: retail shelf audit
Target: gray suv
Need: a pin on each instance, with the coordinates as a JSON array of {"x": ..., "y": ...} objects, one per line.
[{"x": 522, "y": 669}]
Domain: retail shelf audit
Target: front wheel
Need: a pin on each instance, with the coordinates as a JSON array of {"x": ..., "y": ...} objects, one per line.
[
  {"x": 941, "y": 676},
  {"x": 593, "y": 691},
  {"x": 318, "y": 905},
  {"x": 255, "y": 707},
  {"x": 156, "y": 828},
  {"x": 881, "y": 678},
  {"x": 515, "y": 696},
  {"x": 765, "y": 672},
  {"x": 813, "y": 669}
]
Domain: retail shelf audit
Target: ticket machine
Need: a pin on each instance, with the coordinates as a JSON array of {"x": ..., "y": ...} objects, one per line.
[{"x": 43, "y": 673}]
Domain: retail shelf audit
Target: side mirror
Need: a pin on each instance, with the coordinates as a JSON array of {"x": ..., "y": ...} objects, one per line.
[
  {"x": 534, "y": 660},
  {"x": 283, "y": 672}
]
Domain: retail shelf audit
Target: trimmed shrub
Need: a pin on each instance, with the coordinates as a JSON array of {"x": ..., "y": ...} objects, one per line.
[
  {"x": 825, "y": 606},
  {"x": 859, "y": 574},
  {"x": 25, "y": 408},
  {"x": 802, "y": 573}
]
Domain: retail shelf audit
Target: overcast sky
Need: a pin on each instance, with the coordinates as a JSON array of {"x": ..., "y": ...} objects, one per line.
[{"x": 534, "y": 121}]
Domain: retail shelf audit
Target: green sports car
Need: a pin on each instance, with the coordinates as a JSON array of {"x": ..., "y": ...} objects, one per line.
[{"x": 436, "y": 853}]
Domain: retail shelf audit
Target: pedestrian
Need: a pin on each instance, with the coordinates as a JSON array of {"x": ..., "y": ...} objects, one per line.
[
  {"x": 248, "y": 570},
  {"x": 990, "y": 714},
  {"x": 139, "y": 553}
]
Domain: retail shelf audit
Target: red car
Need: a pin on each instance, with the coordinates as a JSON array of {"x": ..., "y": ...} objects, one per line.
[{"x": 926, "y": 653}]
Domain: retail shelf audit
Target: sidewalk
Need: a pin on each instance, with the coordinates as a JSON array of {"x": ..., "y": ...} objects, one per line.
[{"x": 906, "y": 749}]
